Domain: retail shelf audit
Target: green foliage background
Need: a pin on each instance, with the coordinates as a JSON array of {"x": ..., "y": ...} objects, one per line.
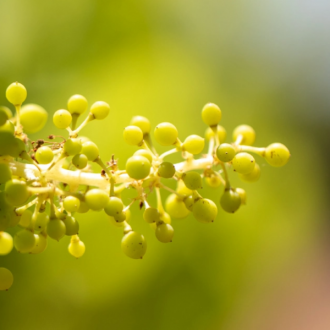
[{"x": 266, "y": 64}]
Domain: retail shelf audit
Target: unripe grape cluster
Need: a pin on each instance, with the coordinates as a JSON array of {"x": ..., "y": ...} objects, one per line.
[{"x": 46, "y": 183}]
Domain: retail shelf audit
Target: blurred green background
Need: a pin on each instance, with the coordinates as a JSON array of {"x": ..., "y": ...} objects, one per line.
[{"x": 266, "y": 64}]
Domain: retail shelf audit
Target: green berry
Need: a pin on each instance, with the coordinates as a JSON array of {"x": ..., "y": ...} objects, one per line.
[
  {"x": 3, "y": 116},
  {"x": 242, "y": 194},
  {"x": 166, "y": 134},
  {"x": 277, "y": 154},
  {"x": 164, "y": 233},
  {"x": 16, "y": 192},
  {"x": 76, "y": 248},
  {"x": 100, "y": 109},
  {"x": 192, "y": 180},
  {"x": 205, "y": 210},
  {"x": 175, "y": 207},
  {"x": 41, "y": 221},
  {"x": 33, "y": 117},
  {"x": 96, "y": 199},
  {"x": 90, "y": 150},
  {"x": 114, "y": 207},
  {"x": 193, "y": 144},
  {"x": 6, "y": 279},
  {"x": 133, "y": 135},
  {"x": 151, "y": 215},
  {"x": 252, "y": 176},
  {"x": 189, "y": 202},
  {"x": 24, "y": 241},
  {"x": 41, "y": 243},
  {"x": 72, "y": 147},
  {"x": 247, "y": 132},
  {"x": 83, "y": 208},
  {"x": 142, "y": 122},
  {"x": 71, "y": 226},
  {"x": 230, "y": 201},
  {"x": 44, "y": 155},
  {"x": 8, "y": 127},
  {"x": 138, "y": 167},
  {"x": 77, "y": 104},
  {"x": 134, "y": 245},
  {"x": 211, "y": 114},
  {"x": 221, "y": 132},
  {"x": 71, "y": 204},
  {"x": 225, "y": 152},
  {"x": 80, "y": 161},
  {"x": 5, "y": 173},
  {"x": 243, "y": 163},
  {"x": 145, "y": 153},
  {"x": 166, "y": 170},
  {"x": 62, "y": 119},
  {"x": 213, "y": 181},
  {"x": 56, "y": 229},
  {"x": 6, "y": 243},
  {"x": 7, "y": 111},
  {"x": 25, "y": 219},
  {"x": 16, "y": 93}
]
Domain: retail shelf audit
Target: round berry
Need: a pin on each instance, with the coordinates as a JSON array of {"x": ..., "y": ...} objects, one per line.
[
  {"x": 166, "y": 170},
  {"x": 80, "y": 161},
  {"x": 242, "y": 194},
  {"x": 100, "y": 109},
  {"x": 72, "y": 146},
  {"x": 5, "y": 173},
  {"x": 164, "y": 233},
  {"x": 3, "y": 116},
  {"x": 41, "y": 243},
  {"x": 33, "y": 117},
  {"x": 142, "y": 122},
  {"x": 76, "y": 248},
  {"x": 221, "y": 132},
  {"x": 56, "y": 229},
  {"x": 71, "y": 226},
  {"x": 151, "y": 215},
  {"x": 24, "y": 241},
  {"x": 90, "y": 150},
  {"x": 114, "y": 207},
  {"x": 175, "y": 207},
  {"x": 211, "y": 114},
  {"x": 16, "y": 93},
  {"x": 71, "y": 203},
  {"x": 96, "y": 199},
  {"x": 205, "y": 210},
  {"x": 138, "y": 167},
  {"x": 252, "y": 176},
  {"x": 277, "y": 154},
  {"x": 247, "y": 133},
  {"x": 77, "y": 104},
  {"x": 225, "y": 152},
  {"x": 230, "y": 201},
  {"x": 6, "y": 243},
  {"x": 6, "y": 279},
  {"x": 166, "y": 134},
  {"x": 192, "y": 180},
  {"x": 133, "y": 135},
  {"x": 62, "y": 119},
  {"x": 44, "y": 155},
  {"x": 134, "y": 245},
  {"x": 145, "y": 153},
  {"x": 213, "y": 181},
  {"x": 16, "y": 192},
  {"x": 193, "y": 144},
  {"x": 243, "y": 163}
]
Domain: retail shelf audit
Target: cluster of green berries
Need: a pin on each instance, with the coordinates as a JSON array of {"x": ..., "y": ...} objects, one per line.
[{"x": 45, "y": 183}]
